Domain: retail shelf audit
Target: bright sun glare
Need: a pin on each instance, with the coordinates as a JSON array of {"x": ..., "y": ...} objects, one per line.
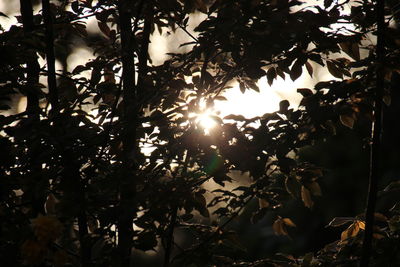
[{"x": 206, "y": 121}]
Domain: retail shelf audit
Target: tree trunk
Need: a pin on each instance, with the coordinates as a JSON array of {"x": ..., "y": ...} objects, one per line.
[
  {"x": 127, "y": 189},
  {"x": 375, "y": 156},
  {"x": 71, "y": 168},
  {"x": 38, "y": 197}
]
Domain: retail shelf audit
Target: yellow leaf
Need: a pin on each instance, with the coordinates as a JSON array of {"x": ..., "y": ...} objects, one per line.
[
  {"x": 361, "y": 224},
  {"x": 288, "y": 222},
  {"x": 262, "y": 203},
  {"x": 279, "y": 228},
  {"x": 354, "y": 230},
  {"x": 351, "y": 231},
  {"x": 344, "y": 235},
  {"x": 306, "y": 197}
]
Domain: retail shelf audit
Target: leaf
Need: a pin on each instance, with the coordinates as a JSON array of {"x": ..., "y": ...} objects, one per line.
[
  {"x": 201, "y": 6},
  {"x": 309, "y": 68},
  {"x": 327, "y": 3},
  {"x": 380, "y": 217},
  {"x": 347, "y": 120},
  {"x": 50, "y": 204},
  {"x": 288, "y": 222},
  {"x": 95, "y": 76},
  {"x": 220, "y": 98},
  {"x": 351, "y": 231},
  {"x": 394, "y": 223},
  {"x": 315, "y": 189},
  {"x": 201, "y": 205},
  {"x": 279, "y": 227},
  {"x": 305, "y": 92},
  {"x": 292, "y": 187},
  {"x": 75, "y": 6},
  {"x": 360, "y": 224},
  {"x": 258, "y": 215},
  {"x": 251, "y": 84},
  {"x": 235, "y": 117},
  {"x": 306, "y": 197},
  {"x": 352, "y": 49},
  {"x": 339, "y": 221},
  {"x": 283, "y": 106},
  {"x": 296, "y": 70},
  {"x": 263, "y": 203},
  {"x": 242, "y": 87},
  {"x": 322, "y": 85},
  {"x": 104, "y": 28},
  {"x": 387, "y": 100},
  {"x": 271, "y": 75},
  {"x": 334, "y": 70},
  {"x": 280, "y": 73}
]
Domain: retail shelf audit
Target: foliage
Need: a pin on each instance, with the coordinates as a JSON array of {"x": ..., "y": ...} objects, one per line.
[{"x": 78, "y": 186}]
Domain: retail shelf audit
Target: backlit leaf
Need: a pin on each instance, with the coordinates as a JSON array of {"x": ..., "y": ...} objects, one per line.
[
  {"x": 351, "y": 231},
  {"x": 288, "y": 222},
  {"x": 235, "y": 117},
  {"x": 305, "y": 92},
  {"x": 309, "y": 68},
  {"x": 332, "y": 68},
  {"x": 296, "y": 70},
  {"x": 271, "y": 75},
  {"x": 315, "y": 189},
  {"x": 347, "y": 120},
  {"x": 263, "y": 203},
  {"x": 279, "y": 227},
  {"x": 306, "y": 197}
]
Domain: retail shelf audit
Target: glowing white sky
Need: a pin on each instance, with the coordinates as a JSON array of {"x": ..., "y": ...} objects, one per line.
[{"x": 249, "y": 104}]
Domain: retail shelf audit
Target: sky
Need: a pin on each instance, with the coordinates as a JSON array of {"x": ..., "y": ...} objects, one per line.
[{"x": 249, "y": 104}]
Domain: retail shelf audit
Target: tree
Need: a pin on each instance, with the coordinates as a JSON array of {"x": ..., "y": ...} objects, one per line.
[{"x": 81, "y": 189}]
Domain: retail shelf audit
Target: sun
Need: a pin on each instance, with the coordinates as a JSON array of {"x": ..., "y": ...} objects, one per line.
[{"x": 205, "y": 120}]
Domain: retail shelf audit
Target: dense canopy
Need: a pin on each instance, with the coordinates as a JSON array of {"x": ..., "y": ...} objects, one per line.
[{"x": 110, "y": 164}]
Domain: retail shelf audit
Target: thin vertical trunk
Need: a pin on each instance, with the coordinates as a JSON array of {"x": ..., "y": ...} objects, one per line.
[
  {"x": 33, "y": 67},
  {"x": 71, "y": 168},
  {"x": 144, "y": 47},
  {"x": 32, "y": 107},
  {"x": 170, "y": 237},
  {"x": 129, "y": 120},
  {"x": 50, "y": 58},
  {"x": 375, "y": 156}
]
